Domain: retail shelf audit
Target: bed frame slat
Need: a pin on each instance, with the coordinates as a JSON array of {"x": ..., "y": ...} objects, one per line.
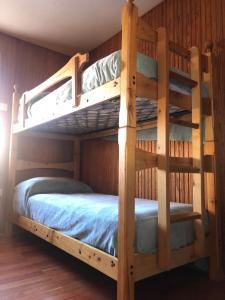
[{"x": 29, "y": 165}]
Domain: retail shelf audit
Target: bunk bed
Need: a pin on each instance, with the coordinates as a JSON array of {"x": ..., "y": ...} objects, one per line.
[{"x": 130, "y": 97}]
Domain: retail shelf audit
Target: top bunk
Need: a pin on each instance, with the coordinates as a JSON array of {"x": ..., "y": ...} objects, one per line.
[{"x": 78, "y": 101}]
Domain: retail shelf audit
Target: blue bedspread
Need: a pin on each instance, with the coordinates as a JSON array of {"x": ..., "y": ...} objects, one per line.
[{"x": 93, "y": 218}]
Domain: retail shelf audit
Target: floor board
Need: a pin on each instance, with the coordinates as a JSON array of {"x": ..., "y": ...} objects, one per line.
[{"x": 32, "y": 269}]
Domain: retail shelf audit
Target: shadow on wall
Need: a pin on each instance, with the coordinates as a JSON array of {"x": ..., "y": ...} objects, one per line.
[{"x": 219, "y": 111}]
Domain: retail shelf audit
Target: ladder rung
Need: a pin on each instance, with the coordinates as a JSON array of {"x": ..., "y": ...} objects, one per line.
[
  {"x": 184, "y": 169},
  {"x": 182, "y": 79},
  {"x": 182, "y": 165},
  {"x": 184, "y": 101},
  {"x": 184, "y": 217},
  {"x": 184, "y": 123}
]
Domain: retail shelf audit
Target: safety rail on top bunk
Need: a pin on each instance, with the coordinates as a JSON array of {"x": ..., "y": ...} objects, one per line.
[{"x": 145, "y": 87}]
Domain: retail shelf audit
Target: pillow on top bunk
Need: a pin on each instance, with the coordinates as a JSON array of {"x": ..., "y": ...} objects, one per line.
[{"x": 46, "y": 185}]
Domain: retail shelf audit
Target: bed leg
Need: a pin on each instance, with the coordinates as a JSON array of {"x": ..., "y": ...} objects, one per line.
[
  {"x": 127, "y": 152},
  {"x": 125, "y": 283}
]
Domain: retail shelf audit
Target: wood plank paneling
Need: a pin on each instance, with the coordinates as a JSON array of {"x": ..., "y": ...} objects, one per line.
[
  {"x": 46, "y": 151},
  {"x": 26, "y": 65},
  {"x": 99, "y": 166}
]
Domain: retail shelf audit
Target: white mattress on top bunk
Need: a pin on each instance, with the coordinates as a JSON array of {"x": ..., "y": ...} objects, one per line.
[
  {"x": 48, "y": 105},
  {"x": 92, "y": 218}
]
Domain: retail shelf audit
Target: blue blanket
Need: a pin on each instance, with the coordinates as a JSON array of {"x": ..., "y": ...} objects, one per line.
[{"x": 93, "y": 218}]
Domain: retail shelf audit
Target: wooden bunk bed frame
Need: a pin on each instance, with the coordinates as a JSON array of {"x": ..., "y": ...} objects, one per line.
[{"x": 130, "y": 267}]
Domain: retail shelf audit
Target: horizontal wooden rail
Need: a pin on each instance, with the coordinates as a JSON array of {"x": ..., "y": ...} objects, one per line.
[
  {"x": 145, "y": 159},
  {"x": 175, "y": 218},
  {"x": 184, "y": 101},
  {"x": 96, "y": 258},
  {"x": 50, "y": 136},
  {"x": 185, "y": 53},
  {"x": 147, "y": 264},
  {"x": 22, "y": 165},
  {"x": 182, "y": 165},
  {"x": 145, "y": 32},
  {"x": 183, "y": 123},
  {"x": 106, "y": 91},
  {"x": 65, "y": 72},
  {"x": 182, "y": 79}
]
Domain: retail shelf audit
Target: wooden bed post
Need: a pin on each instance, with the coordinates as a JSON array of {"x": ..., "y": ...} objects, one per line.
[
  {"x": 197, "y": 150},
  {"x": 163, "y": 150},
  {"x": 127, "y": 145},
  {"x": 12, "y": 164},
  {"x": 216, "y": 269}
]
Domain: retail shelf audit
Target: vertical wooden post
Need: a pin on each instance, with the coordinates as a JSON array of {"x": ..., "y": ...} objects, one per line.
[
  {"x": 76, "y": 158},
  {"x": 197, "y": 150},
  {"x": 216, "y": 269},
  {"x": 12, "y": 165},
  {"x": 163, "y": 150},
  {"x": 76, "y": 81},
  {"x": 127, "y": 144}
]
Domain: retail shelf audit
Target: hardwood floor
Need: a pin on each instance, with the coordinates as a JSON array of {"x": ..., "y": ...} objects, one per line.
[{"x": 31, "y": 269}]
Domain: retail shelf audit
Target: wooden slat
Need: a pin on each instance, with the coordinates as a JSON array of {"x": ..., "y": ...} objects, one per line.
[
  {"x": 182, "y": 165},
  {"x": 106, "y": 91},
  {"x": 163, "y": 150},
  {"x": 145, "y": 32},
  {"x": 183, "y": 123},
  {"x": 197, "y": 150},
  {"x": 51, "y": 136},
  {"x": 110, "y": 132},
  {"x": 182, "y": 79},
  {"x": 146, "y": 88},
  {"x": 185, "y": 53},
  {"x": 65, "y": 72},
  {"x": 127, "y": 144},
  {"x": 145, "y": 159},
  {"x": 94, "y": 257},
  {"x": 184, "y": 101},
  {"x": 175, "y": 218},
  {"x": 29, "y": 165},
  {"x": 146, "y": 264}
]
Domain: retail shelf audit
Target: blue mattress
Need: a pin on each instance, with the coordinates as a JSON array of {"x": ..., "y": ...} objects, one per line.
[
  {"x": 93, "y": 218},
  {"x": 48, "y": 105}
]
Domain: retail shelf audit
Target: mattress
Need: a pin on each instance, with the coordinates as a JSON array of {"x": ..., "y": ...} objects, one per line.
[
  {"x": 93, "y": 218},
  {"x": 49, "y": 105}
]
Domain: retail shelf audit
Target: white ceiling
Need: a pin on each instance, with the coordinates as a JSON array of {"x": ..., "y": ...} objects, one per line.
[{"x": 67, "y": 26}]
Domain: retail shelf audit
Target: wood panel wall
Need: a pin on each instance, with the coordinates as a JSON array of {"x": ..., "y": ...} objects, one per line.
[
  {"x": 189, "y": 23},
  {"x": 99, "y": 167},
  {"x": 26, "y": 65}
]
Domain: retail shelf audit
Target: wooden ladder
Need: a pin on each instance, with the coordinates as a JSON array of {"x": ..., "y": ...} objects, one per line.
[{"x": 166, "y": 164}]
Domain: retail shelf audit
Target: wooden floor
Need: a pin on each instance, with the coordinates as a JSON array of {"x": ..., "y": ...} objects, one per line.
[{"x": 31, "y": 269}]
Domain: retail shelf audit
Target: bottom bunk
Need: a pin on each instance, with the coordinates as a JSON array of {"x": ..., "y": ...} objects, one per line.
[{"x": 71, "y": 216}]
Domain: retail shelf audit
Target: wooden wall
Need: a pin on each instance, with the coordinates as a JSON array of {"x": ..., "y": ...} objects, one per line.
[
  {"x": 26, "y": 65},
  {"x": 189, "y": 23},
  {"x": 99, "y": 167}
]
